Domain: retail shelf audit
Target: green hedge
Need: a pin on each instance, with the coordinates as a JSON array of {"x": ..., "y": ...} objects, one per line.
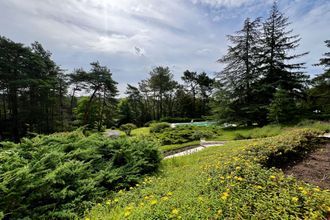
[
  {"x": 61, "y": 175},
  {"x": 159, "y": 127},
  {"x": 184, "y": 134},
  {"x": 280, "y": 150}
]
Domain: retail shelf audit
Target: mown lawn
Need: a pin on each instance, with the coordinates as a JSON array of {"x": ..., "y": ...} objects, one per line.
[{"x": 226, "y": 182}]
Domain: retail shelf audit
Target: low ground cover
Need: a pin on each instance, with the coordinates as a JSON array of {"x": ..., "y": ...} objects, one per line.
[
  {"x": 227, "y": 182},
  {"x": 58, "y": 176}
]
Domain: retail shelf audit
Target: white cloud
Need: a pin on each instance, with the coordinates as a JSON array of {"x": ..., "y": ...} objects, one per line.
[
  {"x": 221, "y": 3},
  {"x": 132, "y": 36}
]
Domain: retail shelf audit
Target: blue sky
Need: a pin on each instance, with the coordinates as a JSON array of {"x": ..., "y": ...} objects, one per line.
[{"x": 133, "y": 36}]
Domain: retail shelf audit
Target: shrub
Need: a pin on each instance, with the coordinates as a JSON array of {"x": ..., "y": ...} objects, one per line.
[
  {"x": 159, "y": 127},
  {"x": 183, "y": 134},
  {"x": 59, "y": 176},
  {"x": 127, "y": 128},
  {"x": 149, "y": 123},
  {"x": 280, "y": 150}
]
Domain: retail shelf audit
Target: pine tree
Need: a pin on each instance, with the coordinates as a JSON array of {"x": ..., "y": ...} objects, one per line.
[
  {"x": 319, "y": 94},
  {"x": 277, "y": 61},
  {"x": 241, "y": 72},
  {"x": 283, "y": 108}
]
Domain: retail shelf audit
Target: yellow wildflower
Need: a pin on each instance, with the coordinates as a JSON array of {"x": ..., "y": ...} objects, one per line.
[
  {"x": 175, "y": 211},
  {"x": 224, "y": 196},
  {"x": 127, "y": 213},
  {"x": 169, "y": 193},
  {"x": 153, "y": 202},
  {"x": 87, "y": 218},
  {"x": 116, "y": 200},
  {"x": 294, "y": 199},
  {"x": 272, "y": 177},
  {"x": 108, "y": 202},
  {"x": 165, "y": 198}
]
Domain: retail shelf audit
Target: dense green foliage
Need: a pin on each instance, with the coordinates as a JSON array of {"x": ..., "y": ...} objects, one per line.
[
  {"x": 32, "y": 90},
  {"x": 99, "y": 81},
  {"x": 258, "y": 64},
  {"x": 159, "y": 127},
  {"x": 60, "y": 175},
  {"x": 127, "y": 128},
  {"x": 226, "y": 182},
  {"x": 285, "y": 149},
  {"x": 183, "y": 134}
]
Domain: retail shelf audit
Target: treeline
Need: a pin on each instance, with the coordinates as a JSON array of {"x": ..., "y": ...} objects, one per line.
[
  {"x": 37, "y": 96},
  {"x": 160, "y": 97},
  {"x": 263, "y": 80}
]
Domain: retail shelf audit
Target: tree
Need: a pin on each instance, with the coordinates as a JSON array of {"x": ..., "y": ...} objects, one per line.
[
  {"x": 32, "y": 89},
  {"x": 241, "y": 71},
  {"x": 161, "y": 84},
  {"x": 205, "y": 84},
  {"x": 319, "y": 94},
  {"x": 191, "y": 81},
  {"x": 98, "y": 81},
  {"x": 283, "y": 108},
  {"x": 277, "y": 59}
]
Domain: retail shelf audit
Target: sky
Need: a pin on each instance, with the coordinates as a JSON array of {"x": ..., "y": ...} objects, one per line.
[{"x": 133, "y": 36}]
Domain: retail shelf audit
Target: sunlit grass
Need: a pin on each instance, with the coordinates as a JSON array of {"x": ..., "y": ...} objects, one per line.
[{"x": 217, "y": 183}]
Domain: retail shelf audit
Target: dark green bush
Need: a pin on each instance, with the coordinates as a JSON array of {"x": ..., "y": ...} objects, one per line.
[
  {"x": 61, "y": 175},
  {"x": 183, "y": 134},
  {"x": 159, "y": 127},
  {"x": 127, "y": 128}
]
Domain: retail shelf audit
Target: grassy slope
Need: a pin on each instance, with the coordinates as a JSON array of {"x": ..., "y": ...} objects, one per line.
[
  {"x": 240, "y": 133},
  {"x": 216, "y": 183}
]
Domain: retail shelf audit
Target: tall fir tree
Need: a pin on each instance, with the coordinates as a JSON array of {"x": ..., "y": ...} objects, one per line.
[
  {"x": 241, "y": 73},
  {"x": 278, "y": 61}
]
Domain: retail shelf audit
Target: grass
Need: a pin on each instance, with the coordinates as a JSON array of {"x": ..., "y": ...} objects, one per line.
[
  {"x": 219, "y": 183},
  {"x": 178, "y": 146},
  {"x": 144, "y": 131}
]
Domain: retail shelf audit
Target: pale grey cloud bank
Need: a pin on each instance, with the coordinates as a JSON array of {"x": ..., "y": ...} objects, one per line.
[{"x": 132, "y": 36}]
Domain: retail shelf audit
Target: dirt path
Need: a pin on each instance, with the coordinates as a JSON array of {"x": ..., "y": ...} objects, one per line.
[
  {"x": 315, "y": 169},
  {"x": 202, "y": 146}
]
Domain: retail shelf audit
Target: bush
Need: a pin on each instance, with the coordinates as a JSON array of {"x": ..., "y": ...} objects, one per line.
[
  {"x": 149, "y": 123},
  {"x": 183, "y": 134},
  {"x": 159, "y": 127},
  {"x": 61, "y": 175},
  {"x": 280, "y": 150},
  {"x": 127, "y": 128}
]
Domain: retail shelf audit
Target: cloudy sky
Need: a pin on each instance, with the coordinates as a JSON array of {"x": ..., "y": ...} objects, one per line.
[{"x": 133, "y": 36}]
